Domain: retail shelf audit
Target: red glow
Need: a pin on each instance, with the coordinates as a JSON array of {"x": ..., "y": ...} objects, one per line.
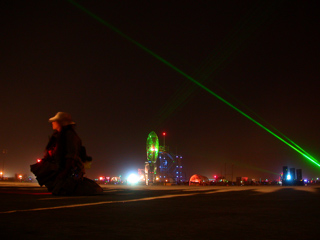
[
  {"x": 38, "y": 160},
  {"x": 164, "y": 134}
]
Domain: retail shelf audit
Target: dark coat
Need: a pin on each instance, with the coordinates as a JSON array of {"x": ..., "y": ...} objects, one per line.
[
  {"x": 64, "y": 148},
  {"x": 61, "y": 169}
]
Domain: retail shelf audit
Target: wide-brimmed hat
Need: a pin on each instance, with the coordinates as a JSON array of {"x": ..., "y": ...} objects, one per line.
[{"x": 63, "y": 118}]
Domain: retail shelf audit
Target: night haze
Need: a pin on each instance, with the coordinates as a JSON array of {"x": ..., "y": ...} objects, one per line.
[{"x": 259, "y": 54}]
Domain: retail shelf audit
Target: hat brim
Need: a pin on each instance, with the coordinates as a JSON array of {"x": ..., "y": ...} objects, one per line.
[
  {"x": 65, "y": 122},
  {"x": 53, "y": 119}
]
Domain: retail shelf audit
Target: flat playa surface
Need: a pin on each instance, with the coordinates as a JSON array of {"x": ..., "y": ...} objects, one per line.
[{"x": 28, "y": 211}]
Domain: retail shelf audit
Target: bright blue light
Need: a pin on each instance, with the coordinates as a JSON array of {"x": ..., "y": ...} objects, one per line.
[{"x": 288, "y": 177}]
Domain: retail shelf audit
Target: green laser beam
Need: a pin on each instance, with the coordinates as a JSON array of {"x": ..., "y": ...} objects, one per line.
[
  {"x": 270, "y": 125},
  {"x": 264, "y": 121},
  {"x": 232, "y": 44},
  {"x": 297, "y": 149}
]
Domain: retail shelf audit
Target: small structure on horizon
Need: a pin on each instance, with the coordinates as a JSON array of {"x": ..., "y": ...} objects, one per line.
[
  {"x": 198, "y": 180},
  {"x": 291, "y": 177}
]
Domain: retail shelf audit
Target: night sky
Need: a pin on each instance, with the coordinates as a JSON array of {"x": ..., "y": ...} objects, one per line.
[{"x": 262, "y": 56}]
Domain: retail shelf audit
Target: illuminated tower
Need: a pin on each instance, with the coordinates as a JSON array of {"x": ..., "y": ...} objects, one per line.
[
  {"x": 285, "y": 173},
  {"x": 152, "y": 148},
  {"x": 293, "y": 174},
  {"x": 299, "y": 174}
]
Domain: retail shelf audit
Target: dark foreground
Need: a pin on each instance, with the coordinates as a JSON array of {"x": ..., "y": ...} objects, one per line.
[{"x": 124, "y": 212}]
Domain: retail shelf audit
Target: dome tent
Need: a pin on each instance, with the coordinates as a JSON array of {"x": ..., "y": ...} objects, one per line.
[{"x": 197, "y": 179}]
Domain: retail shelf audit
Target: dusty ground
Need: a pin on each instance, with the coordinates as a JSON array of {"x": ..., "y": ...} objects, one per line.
[{"x": 169, "y": 212}]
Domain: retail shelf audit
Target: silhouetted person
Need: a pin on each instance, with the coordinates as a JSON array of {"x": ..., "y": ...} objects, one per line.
[{"x": 62, "y": 168}]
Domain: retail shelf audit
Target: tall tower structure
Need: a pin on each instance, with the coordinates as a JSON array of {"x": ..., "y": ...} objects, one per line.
[
  {"x": 152, "y": 149},
  {"x": 285, "y": 173},
  {"x": 293, "y": 174}
]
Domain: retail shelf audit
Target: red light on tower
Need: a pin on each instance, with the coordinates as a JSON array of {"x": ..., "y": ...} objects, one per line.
[
  {"x": 164, "y": 141},
  {"x": 38, "y": 160}
]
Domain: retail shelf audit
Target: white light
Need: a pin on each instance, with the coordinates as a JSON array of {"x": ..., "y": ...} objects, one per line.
[
  {"x": 288, "y": 177},
  {"x": 133, "y": 178}
]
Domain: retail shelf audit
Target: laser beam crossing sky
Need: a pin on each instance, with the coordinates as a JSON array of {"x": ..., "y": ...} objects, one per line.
[{"x": 283, "y": 139}]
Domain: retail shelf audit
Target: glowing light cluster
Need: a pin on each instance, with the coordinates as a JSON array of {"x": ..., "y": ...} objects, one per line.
[
  {"x": 133, "y": 179},
  {"x": 152, "y": 147}
]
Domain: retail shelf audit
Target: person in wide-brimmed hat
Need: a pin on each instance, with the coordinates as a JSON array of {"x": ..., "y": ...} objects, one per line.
[
  {"x": 62, "y": 118},
  {"x": 62, "y": 168}
]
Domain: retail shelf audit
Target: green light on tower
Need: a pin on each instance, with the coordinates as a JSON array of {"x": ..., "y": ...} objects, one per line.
[{"x": 152, "y": 147}]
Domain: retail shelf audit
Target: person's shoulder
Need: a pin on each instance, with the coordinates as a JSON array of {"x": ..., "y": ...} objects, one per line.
[{"x": 70, "y": 132}]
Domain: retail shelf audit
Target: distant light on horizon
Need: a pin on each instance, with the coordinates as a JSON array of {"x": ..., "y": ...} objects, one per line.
[{"x": 133, "y": 178}]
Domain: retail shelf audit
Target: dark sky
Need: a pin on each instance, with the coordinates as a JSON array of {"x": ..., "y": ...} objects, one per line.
[{"x": 261, "y": 55}]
